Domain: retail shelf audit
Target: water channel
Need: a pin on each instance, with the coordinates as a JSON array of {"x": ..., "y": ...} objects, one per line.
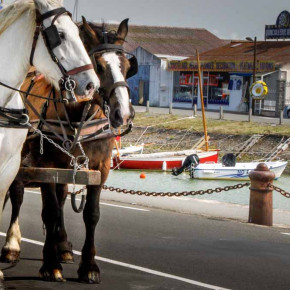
[{"x": 164, "y": 181}]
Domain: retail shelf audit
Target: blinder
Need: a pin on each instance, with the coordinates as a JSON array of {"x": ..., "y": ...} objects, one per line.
[
  {"x": 52, "y": 37},
  {"x": 133, "y": 70}
]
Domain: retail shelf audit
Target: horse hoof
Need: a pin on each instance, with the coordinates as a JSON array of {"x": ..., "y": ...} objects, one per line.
[
  {"x": 9, "y": 256},
  {"x": 66, "y": 258},
  {"x": 54, "y": 275},
  {"x": 90, "y": 277}
]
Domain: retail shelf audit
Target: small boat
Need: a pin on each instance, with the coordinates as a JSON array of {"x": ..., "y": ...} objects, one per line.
[
  {"x": 128, "y": 150},
  {"x": 240, "y": 171},
  {"x": 162, "y": 160}
]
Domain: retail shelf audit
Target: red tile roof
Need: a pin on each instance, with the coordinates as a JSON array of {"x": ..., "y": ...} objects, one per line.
[
  {"x": 170, "y": 40},
  {"x": 277, "y": 51}
]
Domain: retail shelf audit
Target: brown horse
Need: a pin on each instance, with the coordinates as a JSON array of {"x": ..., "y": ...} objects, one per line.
[{"x": 112, "y": 67}]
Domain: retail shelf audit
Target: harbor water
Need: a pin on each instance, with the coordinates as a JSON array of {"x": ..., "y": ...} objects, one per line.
[{"x": 164, "y": 182}]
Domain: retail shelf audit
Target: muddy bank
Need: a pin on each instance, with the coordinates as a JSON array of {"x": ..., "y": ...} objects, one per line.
[{"x": 157, "y": 140}]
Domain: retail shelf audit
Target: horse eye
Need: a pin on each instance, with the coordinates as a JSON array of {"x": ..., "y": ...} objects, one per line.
[{"x": 61, "y": 35}]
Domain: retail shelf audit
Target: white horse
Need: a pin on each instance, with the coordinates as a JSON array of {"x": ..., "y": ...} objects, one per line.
[{"x": 17, "y": 27}]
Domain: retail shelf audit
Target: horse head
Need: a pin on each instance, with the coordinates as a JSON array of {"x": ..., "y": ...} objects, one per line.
[
  {"x": 60, "y": 54},
  {"x": 112, "y": 67}
]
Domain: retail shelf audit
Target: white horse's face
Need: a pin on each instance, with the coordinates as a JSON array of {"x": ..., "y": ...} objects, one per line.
[{"x": 70, "y": 53}]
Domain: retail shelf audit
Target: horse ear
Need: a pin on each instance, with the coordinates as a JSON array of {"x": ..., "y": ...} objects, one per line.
[
  {"x": 122, "y": 31},
  {"x": 87, "y": 34}
]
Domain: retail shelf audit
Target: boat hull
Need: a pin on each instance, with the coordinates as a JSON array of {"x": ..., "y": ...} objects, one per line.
[
  {"x": 239, "y": 172},
  {"x": 150, "y": 162}
]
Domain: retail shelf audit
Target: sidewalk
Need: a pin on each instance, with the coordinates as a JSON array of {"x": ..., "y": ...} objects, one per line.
[
  {"x": 208, "y": 208},
  {"x": 213, "y": 115}
]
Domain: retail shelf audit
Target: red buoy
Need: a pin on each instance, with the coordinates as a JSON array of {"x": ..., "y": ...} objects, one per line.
[{"x": 142, "y": 175}]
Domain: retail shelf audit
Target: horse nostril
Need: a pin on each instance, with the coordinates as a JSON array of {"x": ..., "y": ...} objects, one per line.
[
  {"x": 118, "y": 117},
  {"x": 90, "y": 86}
]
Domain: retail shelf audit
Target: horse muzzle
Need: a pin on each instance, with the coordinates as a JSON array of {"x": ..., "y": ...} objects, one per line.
[{"x": 86, "y": 83}]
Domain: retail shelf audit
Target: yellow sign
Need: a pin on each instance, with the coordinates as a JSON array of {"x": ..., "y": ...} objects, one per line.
[
  {"x": 258, "y": 90},
  {"x": 221, "y": 66}
]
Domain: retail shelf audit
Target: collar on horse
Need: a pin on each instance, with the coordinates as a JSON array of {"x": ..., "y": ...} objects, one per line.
[
  {"x": 52, "y": 40},
  {"x": 70, "y": 133}
]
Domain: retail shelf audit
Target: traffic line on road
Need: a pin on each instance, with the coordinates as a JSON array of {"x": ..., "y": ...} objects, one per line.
[
  {"x": 134, "y": 267},
  {"x": 102, "y": 203}
]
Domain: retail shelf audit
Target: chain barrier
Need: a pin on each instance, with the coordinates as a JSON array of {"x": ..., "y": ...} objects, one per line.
[
  {"x": 278, "y": 189},
  {"x": 182, "y": 193}
]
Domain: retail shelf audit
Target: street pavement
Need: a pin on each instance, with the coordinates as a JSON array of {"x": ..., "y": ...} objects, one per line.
[
  {"x": 148, "y": 248},
  {"x": 215, "y": 115}
]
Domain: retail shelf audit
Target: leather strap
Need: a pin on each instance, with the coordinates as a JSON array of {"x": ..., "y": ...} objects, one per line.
[
  {"x": 57, "y": 11},
  {"x": 80, "y": 69},
  {"x": 106, "y": 47}
]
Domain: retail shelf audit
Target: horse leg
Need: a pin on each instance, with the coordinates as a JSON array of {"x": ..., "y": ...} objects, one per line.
[
  {"x": 8, "y": 171},
  {"x": 51, "y": 269},
  {"x": 11, "y": 250},
  {"x": 64, "y": 247},
  {"x": 88, "y": 270}
]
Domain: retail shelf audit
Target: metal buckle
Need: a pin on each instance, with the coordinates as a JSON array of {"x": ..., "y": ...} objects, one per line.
[
  {"x": 67, "y": 144},
  {"x": 26, "y": 121}
]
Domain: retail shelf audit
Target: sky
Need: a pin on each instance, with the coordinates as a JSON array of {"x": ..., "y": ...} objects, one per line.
[{"x": 227, "y": 19}]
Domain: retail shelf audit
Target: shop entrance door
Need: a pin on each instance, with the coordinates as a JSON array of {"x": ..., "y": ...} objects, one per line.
[{"x": 194, "y": 91}]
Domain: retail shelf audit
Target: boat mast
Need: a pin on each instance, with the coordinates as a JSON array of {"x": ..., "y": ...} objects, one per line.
[{"x": 202, "y": 102}]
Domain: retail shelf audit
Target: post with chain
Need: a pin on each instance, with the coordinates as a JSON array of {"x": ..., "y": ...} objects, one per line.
[{"x": 261, "y": 196}]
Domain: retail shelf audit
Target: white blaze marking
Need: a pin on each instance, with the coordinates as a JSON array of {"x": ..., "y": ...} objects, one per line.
[
  {"x": 134, "y": 267},
  {"x": 121, "y": 92}
]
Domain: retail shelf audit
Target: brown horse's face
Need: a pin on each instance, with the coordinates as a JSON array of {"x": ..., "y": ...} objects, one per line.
[{"x": 112, "y": 68}]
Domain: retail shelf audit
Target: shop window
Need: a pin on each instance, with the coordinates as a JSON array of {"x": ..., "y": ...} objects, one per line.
[
  {"x": 185, "y": 88},
  {"x": 218, "y": 92}
]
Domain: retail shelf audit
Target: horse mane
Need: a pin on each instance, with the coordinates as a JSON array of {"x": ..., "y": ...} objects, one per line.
[{"x": 10, "y": 13}]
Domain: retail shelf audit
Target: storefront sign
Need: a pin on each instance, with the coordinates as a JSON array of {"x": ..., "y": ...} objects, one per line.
[
  {"x": 222, "y": 66},
  {"x": 282, "y": 28}
]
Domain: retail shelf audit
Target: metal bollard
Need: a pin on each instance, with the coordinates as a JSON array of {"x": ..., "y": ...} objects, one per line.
[
  {"x": 250, "y": 115},
  {"x": 194, "y": 110},
  {"x": 261, "y": 197},
  {"x": 281, "y": 118},
  {"x": 147, "y": 106},
  {"x": 170, "y": 108},
  {"x": 221, "y": 112}
]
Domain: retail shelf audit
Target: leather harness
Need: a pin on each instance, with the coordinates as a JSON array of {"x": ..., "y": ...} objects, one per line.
[{"x": 52, "y": 40}]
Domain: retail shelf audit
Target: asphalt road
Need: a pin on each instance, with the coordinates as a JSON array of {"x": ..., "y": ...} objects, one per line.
[
  {"x": 144, "y": 248},
  {"x": 215, "y": 115}
]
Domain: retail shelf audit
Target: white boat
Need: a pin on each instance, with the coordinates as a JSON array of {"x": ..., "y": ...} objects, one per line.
[
  {"x": 128, "y": 150},
  {"x": 238, "y": 172}
]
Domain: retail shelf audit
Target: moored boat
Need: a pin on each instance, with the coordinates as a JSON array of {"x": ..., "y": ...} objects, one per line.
[
  {"x": 162, "y": 160},
  {"x": 238, "y": 172}
]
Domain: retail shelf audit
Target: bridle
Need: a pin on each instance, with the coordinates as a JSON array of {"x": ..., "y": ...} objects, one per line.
[
  {"x": 106, "y": 92},
  {"x": 52, "y": 40}
]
